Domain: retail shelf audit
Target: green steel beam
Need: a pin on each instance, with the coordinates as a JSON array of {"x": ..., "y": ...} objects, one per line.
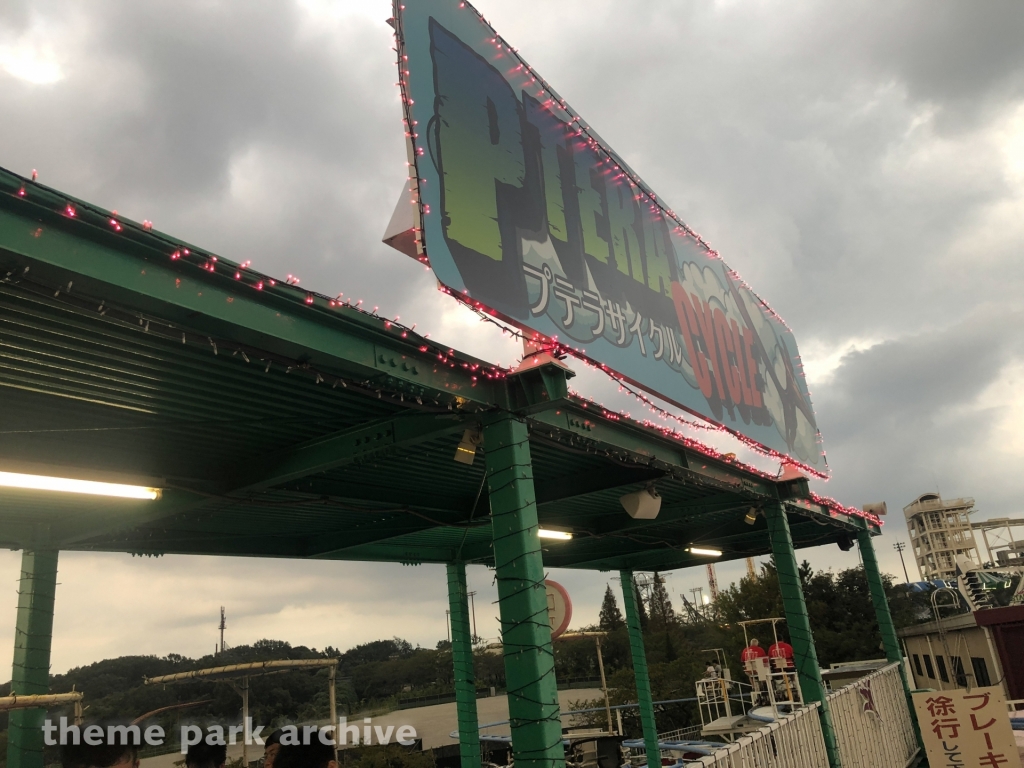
[
  {"x": 374, "y": 530},
  {"x": 319, "y": 455},
  {"x": 69, "y": 530},
  {"x": 354, "y": 488},
  {"x": 415, "y": 554},
  {"x": 549, "y": 492},
  {"x": 569, "y": 421},
  {"x": 462, "y": 660},
  {"x": 890, "y": 641},
  {"x": 363, "y": 442},
  {"x": 617, "y": 552},
  {"x": 672, "y": 513},
  {"x": 643, "y": 681},
  {"x": 522, "y": 598},
  {"x": 134, "y": 268},
  {"x": 602, "y": 478},
  {"x": 328, "y": 546},
  {"x": 805, "y": 655},
  {"x": 31, "y": 673}
]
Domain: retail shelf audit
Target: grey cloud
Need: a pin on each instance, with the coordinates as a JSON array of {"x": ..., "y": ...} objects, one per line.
[
  {"x": 906, "y": 416},
  {"x": 253, "y": 133},
  {"x": 802, "y": 141},
  {"x": 915, "y": 378},
  {"x": 841, "y": 156},
  {"x": 952, "y": 52}
]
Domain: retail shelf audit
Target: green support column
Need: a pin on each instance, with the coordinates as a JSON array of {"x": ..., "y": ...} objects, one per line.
[
  {"x": 31, "y": 674},
  {"x": 522, "y": 598},
  {"x": 805, "y": 656},
  {"x": 462, "y": 659},
  {"x": 887, "y": 629},
  {"x": 643, "y": 680}
]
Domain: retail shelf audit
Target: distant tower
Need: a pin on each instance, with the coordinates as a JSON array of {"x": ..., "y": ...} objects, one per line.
[
  {"x": 712, "y": 582},
  {"x": 751, "y": 572},
  {"x": 939, "y": 532},
  {"x": 223, "y": 626}
]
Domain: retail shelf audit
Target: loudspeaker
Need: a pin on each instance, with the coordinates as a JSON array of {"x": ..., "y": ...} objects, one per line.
[{"x": 642, "y": 505}]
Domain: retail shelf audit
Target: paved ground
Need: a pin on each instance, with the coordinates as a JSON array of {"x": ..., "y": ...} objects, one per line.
[{"x": 433, "y": 724}]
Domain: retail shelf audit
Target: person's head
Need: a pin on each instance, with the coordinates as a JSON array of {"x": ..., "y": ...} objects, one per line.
[
  {"x": 271, "y": 746},
  {"x": 99, "y": 755},
  {"x": 754, "y": 642},
  {"x": 203, "y": 755},
  {"x": 316, "y": 754}
]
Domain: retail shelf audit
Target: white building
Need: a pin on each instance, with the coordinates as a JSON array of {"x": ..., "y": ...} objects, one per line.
[{"x": 939, "y": 531}]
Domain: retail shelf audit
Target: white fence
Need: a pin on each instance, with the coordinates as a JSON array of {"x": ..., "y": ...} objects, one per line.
[
  {"x": 793, "y": 741},
  {"x": 872, "y": 721}
]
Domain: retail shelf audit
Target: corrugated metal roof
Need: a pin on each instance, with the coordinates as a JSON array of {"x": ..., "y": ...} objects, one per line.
[{"x": 116, "y": 357}]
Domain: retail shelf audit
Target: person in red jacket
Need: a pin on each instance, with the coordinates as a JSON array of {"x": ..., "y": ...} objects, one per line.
[
  {"x": 753, "y": 651},
  {"x": 782, "y": 651}
]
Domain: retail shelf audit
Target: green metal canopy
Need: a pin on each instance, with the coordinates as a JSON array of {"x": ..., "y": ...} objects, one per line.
[
  {"x": 282, "y": 423},
  {"x": 277, "y": 422}
]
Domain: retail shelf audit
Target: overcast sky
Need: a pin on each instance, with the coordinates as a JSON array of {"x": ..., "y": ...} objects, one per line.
[{"x": 861, "y": 164}]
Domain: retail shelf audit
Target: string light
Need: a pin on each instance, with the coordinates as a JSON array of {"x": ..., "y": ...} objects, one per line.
[
  {"x": 557, "y": 348},
  {"x": 443, "y": 356},
  {"x": 620, "y": 170}
]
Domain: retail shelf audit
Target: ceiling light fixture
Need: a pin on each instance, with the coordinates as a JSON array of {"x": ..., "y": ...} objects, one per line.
[
  {"x": 547, "y": 533},
  {"x": 751, "y": 516},
  {"x": 69, "y": 485},
  {"x": 472, "y": 439},
  {"x": 704, "y": 551}
]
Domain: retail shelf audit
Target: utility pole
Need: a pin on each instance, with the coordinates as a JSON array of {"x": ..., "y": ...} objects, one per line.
[
  {"x": 698, "y": 600},
  {"x": 899, "y": 546},
  {"x": 223, "y": 626},
  {"x": 472, "y": 603}
]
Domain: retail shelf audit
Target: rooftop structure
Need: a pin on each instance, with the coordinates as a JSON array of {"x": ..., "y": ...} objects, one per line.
[
  {"x": 1001, "y": 546},
  {"x": 256, "y": 418},
  {"x": 940, "y": 531}
]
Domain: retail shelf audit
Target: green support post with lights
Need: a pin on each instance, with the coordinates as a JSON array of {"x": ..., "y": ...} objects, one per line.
[
  {"x": 643, "y": 681},
  {"x": 522, "y": 597},
  {"x": 462, "y": 660},
  {"x": 890, "y": 641},
  {"x": 32, "y": 638},
  {"x": 804, "y": 654}
]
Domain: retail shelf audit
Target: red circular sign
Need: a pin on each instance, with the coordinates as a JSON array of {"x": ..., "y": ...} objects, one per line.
[{"x": 559, "y": 607}]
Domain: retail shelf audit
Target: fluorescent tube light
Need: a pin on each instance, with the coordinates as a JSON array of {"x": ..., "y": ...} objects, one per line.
[
  {"x": 559, "y": 535},
  {"x": 703, "y": 551},
  {"x": 68, "y": 485}
]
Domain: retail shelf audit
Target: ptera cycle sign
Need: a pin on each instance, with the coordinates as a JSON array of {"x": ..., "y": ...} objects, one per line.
[{"x": 525, "y": 210}]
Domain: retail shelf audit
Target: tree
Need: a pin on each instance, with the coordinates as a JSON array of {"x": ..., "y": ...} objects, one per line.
[
  {"x": 661, "y": 613},
  {"x": 838, "y": 604},
  {"x": 610, "y": 617}
]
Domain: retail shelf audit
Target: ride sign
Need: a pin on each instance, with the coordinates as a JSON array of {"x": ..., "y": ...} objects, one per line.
[{"x": 525, "y": 211}]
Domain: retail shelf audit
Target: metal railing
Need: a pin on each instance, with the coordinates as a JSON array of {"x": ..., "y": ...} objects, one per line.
[
  {"x": 873, "y": 722},
  {"x": 689, "y": 733},
  {"x": 794, "y": 740}
]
